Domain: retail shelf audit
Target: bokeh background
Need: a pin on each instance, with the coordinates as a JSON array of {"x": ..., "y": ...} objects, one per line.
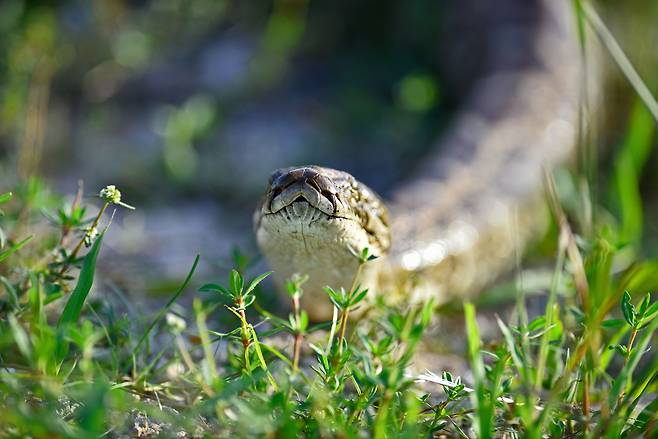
[{"x": 187, "y": 106}]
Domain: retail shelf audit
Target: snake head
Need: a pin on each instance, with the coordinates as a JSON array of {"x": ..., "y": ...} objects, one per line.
[
  {"x": 315, "y": 221},
  {"x": 337, "y": 194}
]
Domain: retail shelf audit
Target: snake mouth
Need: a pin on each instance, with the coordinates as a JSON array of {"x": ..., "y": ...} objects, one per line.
[{"x": 302, "y": 184}]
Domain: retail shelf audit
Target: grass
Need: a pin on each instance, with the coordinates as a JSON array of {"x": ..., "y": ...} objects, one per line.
[{"x": 74, "y": 366}]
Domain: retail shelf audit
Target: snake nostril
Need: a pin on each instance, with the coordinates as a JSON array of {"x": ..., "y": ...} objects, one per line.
[
  {"x": 314, "y": 184},
  {"x": 287, "y": 178},
  {"x": 274, "y": 192},
  {"x": 331, "y": 197},
  {"x": 309, "y": 173}
]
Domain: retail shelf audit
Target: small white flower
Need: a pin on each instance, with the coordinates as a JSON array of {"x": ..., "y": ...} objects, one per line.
[
  {"x": 176, "y": 323},
  {"x": 174, "y": 370},
  {"x": 110, "y": 194}
]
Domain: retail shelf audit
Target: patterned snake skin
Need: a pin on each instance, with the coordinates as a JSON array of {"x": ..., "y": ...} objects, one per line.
[{"x": 457, "y": 224}]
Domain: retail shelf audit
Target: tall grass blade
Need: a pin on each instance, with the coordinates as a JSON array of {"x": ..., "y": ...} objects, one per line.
[
  {"x": 552, "y": 297},
  {"x": 629, "y": 163},
  {"x": 621, "y": 59},
  {"x": 483, "y": 401}
]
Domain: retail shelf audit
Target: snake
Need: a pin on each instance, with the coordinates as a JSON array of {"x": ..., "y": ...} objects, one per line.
[{"x": 459, "y": 222}]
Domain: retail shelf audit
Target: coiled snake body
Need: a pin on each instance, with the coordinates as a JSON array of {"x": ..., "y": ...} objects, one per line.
[{"x": 458, "y": 222}]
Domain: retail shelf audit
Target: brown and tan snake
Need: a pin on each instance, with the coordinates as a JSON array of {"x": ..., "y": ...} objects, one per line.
[{"x": 456, "y": 224}]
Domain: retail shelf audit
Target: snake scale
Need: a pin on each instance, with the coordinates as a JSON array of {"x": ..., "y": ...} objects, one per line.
[{"x": 457, "y": 224}]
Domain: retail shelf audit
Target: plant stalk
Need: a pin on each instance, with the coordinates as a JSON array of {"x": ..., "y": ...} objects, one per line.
[
  {"x": 298, "y": 334},
  {"x": 297, "y": 349},
  {"x": 77, "y": 248}
]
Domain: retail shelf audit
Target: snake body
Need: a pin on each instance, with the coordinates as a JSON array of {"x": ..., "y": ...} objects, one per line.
[{"x": 458, "y": 222}]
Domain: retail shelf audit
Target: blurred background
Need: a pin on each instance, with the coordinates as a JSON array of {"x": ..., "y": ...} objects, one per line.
[{"x": 187, "y": 106}]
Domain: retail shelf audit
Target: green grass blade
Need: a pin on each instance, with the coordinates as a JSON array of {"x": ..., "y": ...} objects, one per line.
[
  {"x": 621, "y": 59},
  {"x": 580, "y": 23},
  {"x": 545, "y": 339},
  {"x": 209, "y": 369},
  {"x": 649, "y": 413},
  {"x": 511, "y": 346},
  {"x": 483, "y": 402},
  {"x": 629, "y": 163},
  {"x": 5, "y": 254},
  {"x": 74, "y": 305},
  {"x": 256, "y": 344}
]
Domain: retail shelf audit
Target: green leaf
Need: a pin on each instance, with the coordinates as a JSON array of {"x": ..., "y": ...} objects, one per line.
[
  {"x": 5, "y": 197},
  {"x": 211, "y": 288},
  {"x": 628, "y": 309},
  {"x": 621, "y": 349},
  {"x": 294, "y": 284},
  {"x": 653, "y": 309},
  {"x": 537, "y": 323},
  {"x": 358, "y": 296},
  {"x": 644, "y": 305},
  {"x": 303, "y": 321},
  {"x": 236, "y": 282},
  {"x": 215, "y": 288},
  {"x": 248, "y": 301},
  {"x": 77, "y": 299},
  {"x": 5, "y": 254},
  {"x": 335, "y": 297},
  {"x": 255, "y": 282},
  {"x": 20, "y": 337},
  {"x": 649, "y": 315},
  {"x": 613, "y": 323}
]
